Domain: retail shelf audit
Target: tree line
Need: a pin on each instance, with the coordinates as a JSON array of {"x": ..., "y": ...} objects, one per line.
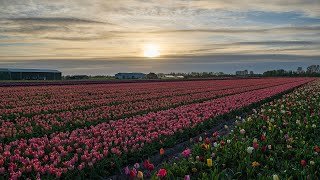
[{"x": 311, "y": 71}]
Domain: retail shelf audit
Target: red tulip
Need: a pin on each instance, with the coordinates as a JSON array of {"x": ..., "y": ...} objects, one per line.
[
  {"x": 215, "y": 134},
  {"x": 162, "y": 173},
  {"x": 133, "y": 174}
]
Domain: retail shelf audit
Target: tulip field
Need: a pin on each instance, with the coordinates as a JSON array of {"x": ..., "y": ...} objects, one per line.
[
  {"x": 94, "y": 130},
  {"x": 278, "y": 140}
]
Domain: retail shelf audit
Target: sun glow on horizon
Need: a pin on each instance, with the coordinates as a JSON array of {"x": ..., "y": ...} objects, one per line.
[{"x": 151, "y": 50}]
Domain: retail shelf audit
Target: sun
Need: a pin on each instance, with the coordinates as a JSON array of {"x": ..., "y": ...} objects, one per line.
[{"x": 151, "y": 50}]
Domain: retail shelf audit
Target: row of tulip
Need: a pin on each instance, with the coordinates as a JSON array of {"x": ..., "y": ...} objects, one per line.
[
  {"x": 102, "y": 97},
  {"x": 25, "y": 96},
  {"x": 60, "y": 154},
  {"x": 37, "y": 125},
  {"x": 279, "y": 140}
]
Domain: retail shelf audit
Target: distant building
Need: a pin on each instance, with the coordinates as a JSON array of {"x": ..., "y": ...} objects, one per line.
[
  {"x": 76, "y": 77},
  {"x": 130, "y": 76},
  {"x": 29, "y": 74},
  {"x": 169, "y": 77},
  {"x": 242, "y": 73},
  {"x": 172, "y": 77}
]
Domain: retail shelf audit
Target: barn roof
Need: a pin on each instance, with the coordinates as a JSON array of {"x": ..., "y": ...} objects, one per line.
[{"x": 29, "y": 70}]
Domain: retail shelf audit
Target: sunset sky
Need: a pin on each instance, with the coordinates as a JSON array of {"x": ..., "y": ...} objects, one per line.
[{"x": 108, "y": 36}]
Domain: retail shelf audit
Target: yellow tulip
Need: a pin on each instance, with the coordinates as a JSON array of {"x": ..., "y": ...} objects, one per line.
[
  {"x": 255, "y": 164},
  {"x": 140, "y": 175},
  {"x": 194, "y": 170},
  {"x": 209, "y": 162}
]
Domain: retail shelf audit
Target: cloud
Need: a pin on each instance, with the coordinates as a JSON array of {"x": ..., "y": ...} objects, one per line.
[
  {"x": 120, "y": 28},
  {"x": 282, "y": 43},
  {"x": 54, "y": 20},
  {"x": 72, "y": 29}
]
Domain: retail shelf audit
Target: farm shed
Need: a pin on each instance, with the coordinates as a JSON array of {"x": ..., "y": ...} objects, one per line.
[
  {"x": 29, "y": 74},
  {"x": 130, "y": 76}
]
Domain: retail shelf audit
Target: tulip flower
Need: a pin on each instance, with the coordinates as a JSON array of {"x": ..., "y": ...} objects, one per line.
[
  {"x": 136, "y": 165},
  {"x": 215, "y": 144},
  {"x": 148, "y": 165},
  {"x": 162, "y": 173},
  {"x": 127, "y": 170},
  {"x": 207, "y": 141},
  {"x": 255, "y": 164},
  {"x": 194, "y": 170},
  {"x": 186, "y": 153},
  {"x": 187, "y": 177},
  {"x": 197, "y": 158},
  {"x": 140, "y": 175},
  {"x": 242, "y": 131},
  {"x": 255, "y": 140},
  {"x": 275, "y": 177},
  {"x": 250, "y": 149},
  {"x": 133, "y": 174},
  {"x": 205, "y": 146},
  {"x": 200, "y": 139},
  {"x": 161, "y": 151},
  {"x": 209, "y": 162},
  {"x": 303, "y": 163}
]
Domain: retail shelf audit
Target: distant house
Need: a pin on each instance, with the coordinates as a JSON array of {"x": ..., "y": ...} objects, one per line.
[
  {"x": 169, "y": 77},
  {"x": 29, "y": 74},
  {"x": 172, "y": 77},
  {"x": 130, "y": 76},
  {"x": 76, "y": 77},
  {"x": 242, "y": 73}
]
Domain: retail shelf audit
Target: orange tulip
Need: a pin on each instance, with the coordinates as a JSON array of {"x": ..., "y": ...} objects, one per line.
[{"x": 161, "y": 151}]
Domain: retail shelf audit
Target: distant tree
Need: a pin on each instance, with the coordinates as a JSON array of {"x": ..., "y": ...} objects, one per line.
[
  {"x": 300, "y": 70},
  {"x": 313, "y": 69},
  {"x": 152, "y": 75}
]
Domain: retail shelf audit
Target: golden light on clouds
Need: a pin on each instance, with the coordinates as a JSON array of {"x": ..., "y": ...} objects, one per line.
[{"x": 151, "y": 50}]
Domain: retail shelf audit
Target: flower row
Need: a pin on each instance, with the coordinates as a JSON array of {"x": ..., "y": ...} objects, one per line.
[
  {"x": 102, "y": 97},
  {"x": 45, "y": 123}
]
